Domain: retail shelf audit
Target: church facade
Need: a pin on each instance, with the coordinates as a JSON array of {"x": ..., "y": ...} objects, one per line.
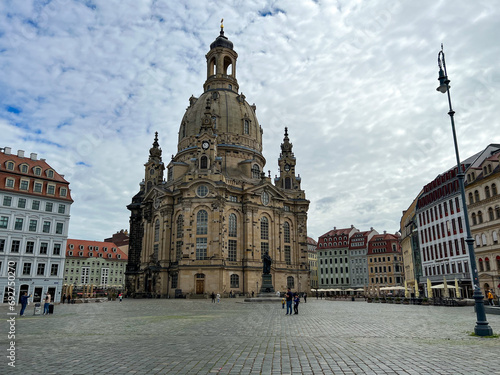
[{"x": 210, "y": 224}]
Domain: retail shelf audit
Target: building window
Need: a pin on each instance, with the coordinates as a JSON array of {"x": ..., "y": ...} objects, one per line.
[
  {"x": 180, "y": 226},
  {"x": 234, "y": 281},
  {"x": 232, "y": 232},
  {"x": 33, "y": 225},
  {"x": 104, "y": 276},
  {"x": 35, "y": 205},
  {"x": 255, "y": 171},
  {"x": 50, "y": 173},
  {"x": 61, "y": 209},
  {"x": 18, "y": 224},
  {"x": 30, "y": 247},
  {"x": 14, "y": 248},
  {"x": 41, "y": 269},
  {"x": 24, "y": 185},
  {"x": 38, "y": 187},
  {"x": 290, "y": 283},
  {"x": 4, "y": 222},
  {"x": 10, "y": 166},
  {"x": 57, "y": 249},
  {"x": 59, "y": 228},
  {"x": 246, "y": 127},
  {"x": 201, "y": 248},
  {"x": 51, "y": 189},
  {"x": 231, "y": 250},
  {"x": 27, "y": 269},
  {"x": 491, "y": 217},
  {"x": 9, "y": 183},
  {"x": 288, "y": 183},
  {"x": 54, "y": 269},
  {"x": 178, "y": 250},
  {"x": 46, "y": 227},
  {"x": 202, "y": 222},
  {"x": 49, "y": 206},
  {"x": 494, "y": 189},
  {"x": 157, "y": 230},
  {"x": 288, "y": 256},
  {"x": 21, "y": 203},
  {"x": 63, "y": 192},
  {"x": 43, "y": 248},
  {"x": 480, "y": 217},
  {"x": 476, "y": 196},
  {"x": 85, "y": 275},
  {"x": 202, "y": 191},
  {"x": 203, "y": 162},
  {"x": 264, "y": 228},
  {"x": 175, "y": 277},
  {"x": 286, "y": 232},
  {"x": 7, "y": 201}
]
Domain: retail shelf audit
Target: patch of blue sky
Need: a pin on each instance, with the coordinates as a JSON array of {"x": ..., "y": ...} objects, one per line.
[
  {"x": 89, "y": 4},
  {"x": 271, "y": 12},
  {"x": 82, "y": 163},
  {"x": 12, "y": 109},
  {"x": 64, "y": 123},
  {"x": 42, "y": 140}
]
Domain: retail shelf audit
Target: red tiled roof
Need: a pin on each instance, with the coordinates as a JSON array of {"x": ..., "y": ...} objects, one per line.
[
  {"x": 16, "y": 174},
  {"x": 89, "y": 247},
  {"x": 311, "y": 241}
]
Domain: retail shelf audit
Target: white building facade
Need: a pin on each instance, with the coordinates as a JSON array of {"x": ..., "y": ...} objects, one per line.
[{"x": 35, "y": 206}]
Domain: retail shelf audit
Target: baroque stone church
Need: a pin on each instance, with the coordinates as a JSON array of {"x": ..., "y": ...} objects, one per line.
[{"x": 210, "y": 224}]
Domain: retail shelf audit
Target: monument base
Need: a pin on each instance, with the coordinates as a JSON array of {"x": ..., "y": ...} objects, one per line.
[{"x": 267, "y": 284}]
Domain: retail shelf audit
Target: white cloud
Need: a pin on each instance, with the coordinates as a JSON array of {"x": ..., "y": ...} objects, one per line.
[{"x": 353, "y": 81}]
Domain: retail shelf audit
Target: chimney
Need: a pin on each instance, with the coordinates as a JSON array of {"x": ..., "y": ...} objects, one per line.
[
  {"x": 334, "y": 228},
  {"x": 7, "y": 150},
  {"x": 33, "y": 156},
  {"x": 352, "y": 226},
  {"x": 371, "y": 228},
  {"x": 20, "y": 153},
  {"x": 385, "y": 232}
]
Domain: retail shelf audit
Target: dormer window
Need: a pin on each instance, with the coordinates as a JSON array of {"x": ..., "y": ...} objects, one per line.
[
  {"x": 255, "y": 171},
  {"x": 38, "y": 171},
  {"x": 50, "y": 173},
  {"x": 10, "y": 166},
  {"x": 24, "y": 168},
  {"x": 63, "y": 192}
]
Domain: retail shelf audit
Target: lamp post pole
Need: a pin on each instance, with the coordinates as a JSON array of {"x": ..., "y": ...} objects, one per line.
[{"x": 482, "y": 327}]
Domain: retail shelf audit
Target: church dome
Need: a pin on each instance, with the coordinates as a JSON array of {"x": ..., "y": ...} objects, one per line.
[{"x": 233, "y": 119}]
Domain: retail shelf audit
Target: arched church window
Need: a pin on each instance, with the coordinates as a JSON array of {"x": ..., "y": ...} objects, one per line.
[
  {"x": 494, "y": 189},
  {"x": 471, "y": 198},
  {"x": 235, "y": 281},
  {"x": 483, "y": 239},
  {"x": 255, "y": 171},
  {"x": 264, "y": 228},
  {"x": 288, "y": 183},
  {"x": 290, "y": 282},
  {"x": 474, "y": 219},
  {"x": 487, "y": 191},
  {"x": 286, "y": 232},
  {"x": 476, "y": 196},
  {"x": 232, "y": 226},
  {"x": 246, "y": 127},
  {"x": 480, "y": 217},
  {"x": 180, "y": 226},
  {"x": 157, "y": 230},
  {"x": 203, "y": 162},
  {"x": 202, "y": 222},
  {"x": 497, "y": 212},
  {"x": 213, "y": 67},
  {"x": 491, "y": 217},
  {"x": 228, "y": 66}
]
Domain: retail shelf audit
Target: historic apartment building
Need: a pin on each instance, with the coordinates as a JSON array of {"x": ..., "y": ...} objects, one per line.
[
  {"x": 482, "y": 184},
  {"x": 333, "y": 258},
  {"x": 98, "y": 264},
  {"x": 312, "y": 258},
  {"x": 441, "y": 227},
  {"x": 410, "y": 247},
  {"x": 208, "y": 226},
  {"x": 35, "y": 204},
  {"x": 358, "y": 251},
  {"x": 385, "y": 261}
]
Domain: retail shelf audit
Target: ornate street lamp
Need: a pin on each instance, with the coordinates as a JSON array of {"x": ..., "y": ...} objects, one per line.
[{"x": 482, "y": 327}]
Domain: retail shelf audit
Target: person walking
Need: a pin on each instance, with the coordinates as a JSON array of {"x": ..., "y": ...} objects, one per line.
[
  {"x": 213, "y": 297},
  {"x": 490, "y": 297},
  {"x": 305, "y": 297},
  {"x": 289, "y": 300},
  {"x": 296, "y": 301},
  {"x": 120, "y": 296},
  {"x": 64, "y": 298},
  {"x": 24, "y": 302},
  {"x": 283, "y": 300},
  {"x": 46, "y": 304},
  {"x": 218, "y": 298},
  {"x": 69, "y": 299}
]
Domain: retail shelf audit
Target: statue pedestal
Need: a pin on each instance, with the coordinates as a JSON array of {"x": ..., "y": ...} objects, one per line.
[{"x": 267, "y": 284}]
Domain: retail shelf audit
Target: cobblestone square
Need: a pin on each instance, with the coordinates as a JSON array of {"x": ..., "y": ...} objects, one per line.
[{"x": 233, "y": 337}]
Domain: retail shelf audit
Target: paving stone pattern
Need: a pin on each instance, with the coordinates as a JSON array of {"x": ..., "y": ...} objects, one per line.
[{"x": 234, "y": 337}]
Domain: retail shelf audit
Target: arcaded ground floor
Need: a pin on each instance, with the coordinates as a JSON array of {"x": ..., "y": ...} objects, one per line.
[{"x": 171, "y": 336}]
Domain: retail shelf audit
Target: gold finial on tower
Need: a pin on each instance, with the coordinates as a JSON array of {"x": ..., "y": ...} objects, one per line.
[{"x": 222, "y": 23}]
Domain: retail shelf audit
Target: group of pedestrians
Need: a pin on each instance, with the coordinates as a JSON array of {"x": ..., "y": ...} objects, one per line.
[
  {"x": 24, "y": 303},
  {"x": 292, "y": 298}
]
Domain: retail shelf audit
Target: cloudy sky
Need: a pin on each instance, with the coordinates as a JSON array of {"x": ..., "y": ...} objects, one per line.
[{"x": 85, "y": 84}]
